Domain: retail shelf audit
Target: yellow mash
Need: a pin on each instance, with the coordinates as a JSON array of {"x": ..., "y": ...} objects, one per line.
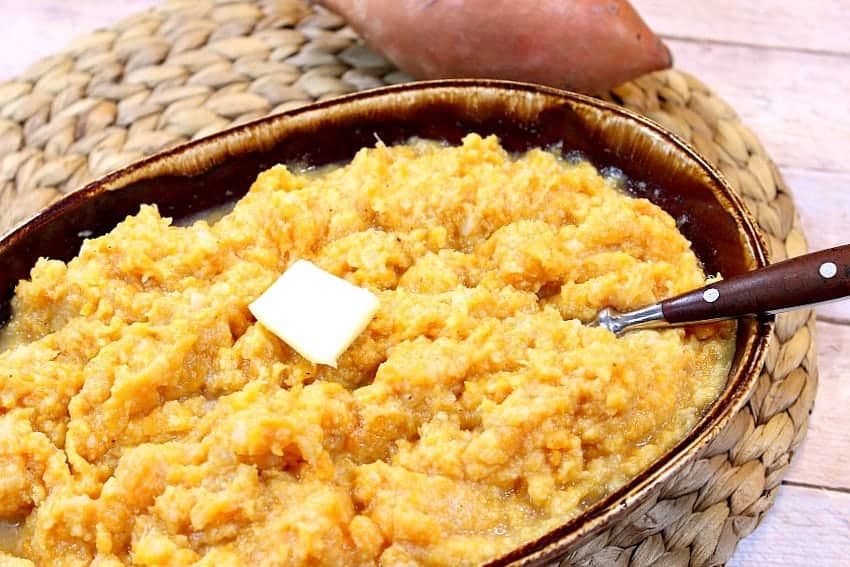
[{"x": 148, "y": 420}]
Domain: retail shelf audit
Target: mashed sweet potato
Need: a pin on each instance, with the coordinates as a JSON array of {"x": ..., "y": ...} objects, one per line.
[{"x": 148, "y": 420}]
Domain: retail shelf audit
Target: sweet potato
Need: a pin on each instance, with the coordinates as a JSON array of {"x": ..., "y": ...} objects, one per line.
[{"x": 583, "y": 45}]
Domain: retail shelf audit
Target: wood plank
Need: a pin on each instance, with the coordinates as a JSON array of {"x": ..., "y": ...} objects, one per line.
[
  {"x": 823, "y": 201},
  {"x": 795, "y": 102},
  {"x": 806, "y": 527},
  {"x": 819, "y": 25},
  {"x": 824, "y": 458}
]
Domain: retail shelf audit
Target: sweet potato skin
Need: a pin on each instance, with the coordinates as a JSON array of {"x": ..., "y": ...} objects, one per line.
[{"x": 581, "y": 45}]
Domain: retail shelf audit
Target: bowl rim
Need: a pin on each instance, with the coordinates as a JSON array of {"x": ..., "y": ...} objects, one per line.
[{"x": 607, "y": 510}]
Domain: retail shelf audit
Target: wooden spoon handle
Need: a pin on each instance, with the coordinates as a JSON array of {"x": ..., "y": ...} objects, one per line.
[{"x": 813, "y": 278}]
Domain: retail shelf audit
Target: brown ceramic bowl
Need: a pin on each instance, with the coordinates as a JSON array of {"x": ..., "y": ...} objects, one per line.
[{"x": 217, "y": 169}]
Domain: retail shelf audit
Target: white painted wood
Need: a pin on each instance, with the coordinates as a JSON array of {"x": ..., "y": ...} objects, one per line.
[
  {"x": 807, "y": 527},
  {"x": 819, "y": 25},
  {"x": 824, "y": 459},
  {"x": 823, "y": 201},
  {"x": 796, "y": 102}
]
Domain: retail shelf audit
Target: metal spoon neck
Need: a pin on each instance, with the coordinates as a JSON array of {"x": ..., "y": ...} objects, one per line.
[{"x": 644, "y": 318}]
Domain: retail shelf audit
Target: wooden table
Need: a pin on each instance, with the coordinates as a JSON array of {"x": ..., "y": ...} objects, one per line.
[{"x": 785, "y": 66}]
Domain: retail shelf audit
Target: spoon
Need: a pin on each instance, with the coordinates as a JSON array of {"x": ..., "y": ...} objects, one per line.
[{"x": 792, "y": 284}]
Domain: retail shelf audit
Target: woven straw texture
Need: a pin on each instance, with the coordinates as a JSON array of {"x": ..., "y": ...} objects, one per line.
[{"x": 193, "y": 67}]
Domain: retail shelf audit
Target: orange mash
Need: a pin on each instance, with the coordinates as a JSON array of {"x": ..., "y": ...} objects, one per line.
[{"x": 147, "y": 419}]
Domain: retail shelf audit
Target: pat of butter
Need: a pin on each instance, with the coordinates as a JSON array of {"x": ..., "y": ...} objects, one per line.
[{"x": 316, "y": 313}]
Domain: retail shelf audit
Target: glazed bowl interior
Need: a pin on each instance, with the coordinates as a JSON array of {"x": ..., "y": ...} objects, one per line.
[{"x": 660, "y": 167}]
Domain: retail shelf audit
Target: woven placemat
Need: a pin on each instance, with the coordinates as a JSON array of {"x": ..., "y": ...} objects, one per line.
[{"x": 190, "y": 68}]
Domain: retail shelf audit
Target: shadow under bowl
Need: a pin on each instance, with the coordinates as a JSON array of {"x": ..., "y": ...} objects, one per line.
[{"x": 661, "y": 167}]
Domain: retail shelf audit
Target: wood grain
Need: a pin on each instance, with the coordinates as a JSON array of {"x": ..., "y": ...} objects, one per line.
[
  {"x": 816, "y": 25},
  {"x": 794, "y": 101},
  {"x": 824, "y": 459},
  {"x": 807, "y": 527}
]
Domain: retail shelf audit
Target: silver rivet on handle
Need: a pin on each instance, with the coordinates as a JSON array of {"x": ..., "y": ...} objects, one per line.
[{"x": 828, "y": 270}]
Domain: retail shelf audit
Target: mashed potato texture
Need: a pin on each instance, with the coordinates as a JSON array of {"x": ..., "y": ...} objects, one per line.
[{"x": 147, "y": 419}]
